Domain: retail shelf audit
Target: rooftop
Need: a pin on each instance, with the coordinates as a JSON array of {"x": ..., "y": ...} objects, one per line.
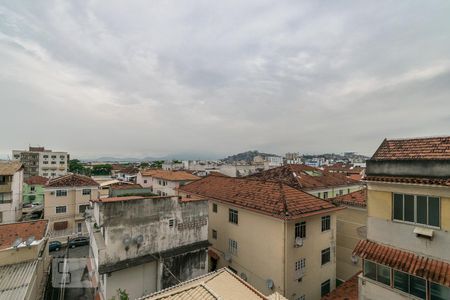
[
  {"x": 410, "y": 180},
  {"x": 36, "y": 180},
  {"x": 304, "y": 177},
  {"x": 429, "y": 148},
  {"x": 346, "y": 291},
  {"x": 222, "y": 284},
  {"x": 72, "y": 180},
  {"x": 10, "y": 167},
  {"x": 174, "y": 175},
  {"x": 10, "y": 232},
  {"x": 128, "y": 198},
  {"x": 16, "y": 279},
  {"x": 357, "y": 198},
  {"x": 119, "y": 186},
  {"x": 267, "y": 197},
  {"x": 418, "y": 265}
]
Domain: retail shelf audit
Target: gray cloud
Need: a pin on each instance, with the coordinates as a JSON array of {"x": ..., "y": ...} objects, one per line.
[{"x": 151, "y": 78}]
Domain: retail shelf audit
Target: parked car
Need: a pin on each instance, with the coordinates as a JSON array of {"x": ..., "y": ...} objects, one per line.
[
  {"x": 79, "y": 241},
  {"x": 54, "y": 246}
]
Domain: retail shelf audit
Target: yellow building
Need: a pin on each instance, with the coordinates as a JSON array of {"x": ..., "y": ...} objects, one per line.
[
  {"x": 275, "y": 237},
  {"x": 406, "y": 254},
  {"x": 65, "y": 201}
]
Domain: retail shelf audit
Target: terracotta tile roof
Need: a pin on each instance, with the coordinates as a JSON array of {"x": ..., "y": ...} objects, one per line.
[
  {"x": 267, "y": 197},
  {"x": 10, "y": 167},
  {"x": 357, "y": 198},
  {"x": 344, "y": 168},
  {"x": 304, "y": 177},
  {"x": 128, "y": 198},
  {"x": 149, "y": 172},
  {"x": 130, "y": 186},
  {"x": 72, "y": 180},
  {"x": 10, "y": 232},
  {"x": 431, "y": 269},
  {"x": 36, "y": 180},
  {"x": 434, "y": 148},
  {"x": 217, "y": 173},
  {"x": 346, "y": 291},
  {"x": 174, "y": 175},
  {"x": 410, "y": 180}
]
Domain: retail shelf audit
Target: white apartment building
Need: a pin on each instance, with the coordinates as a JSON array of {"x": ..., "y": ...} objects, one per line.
[
  {"x": 11, "y": 189},
  {"x": 38, "y": 161}
]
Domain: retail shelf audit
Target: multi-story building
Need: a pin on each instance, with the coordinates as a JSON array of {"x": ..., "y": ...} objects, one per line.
[
  {"x": 146, "y": 244},
  {"x": 406, "y": 254},
  {"x": 275, "y": 237},
  {"x": 351, "y": 227},
  {"x": 24, "y": 260},
  {"x": 38, "y": 161},
  {"x": 33, "y": 189},
  {"x": 66, "y": 199},
  {"x": 164, "y": 182},
  {"x": 314, "y": 181},
  {"x": 11, "y": 189},
  {"x": 144, "y": 177}
]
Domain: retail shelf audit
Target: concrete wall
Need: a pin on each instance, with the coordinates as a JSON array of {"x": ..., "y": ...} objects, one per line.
[
  {"x": 28, "y": 194},
  {"x": 371, "y": 290},
  {"x": 334, "y": 191},
  {"x": 420, "y": 168}
]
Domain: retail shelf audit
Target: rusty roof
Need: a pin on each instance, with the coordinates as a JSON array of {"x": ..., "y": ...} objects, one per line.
[
  {"x": 418, "y": 265},
  {"x": 267, "y": 197},
  {"x": 357, "y": 198},
  {"x": 72, "y": 180},
  {"x": 304, "y": 177},
  {"x": 36, "y": 180},
  {"x": 346, "y": 291},
  {"x": 409, "y": 180},
  {"x": 10, "y": 167},
  {"x": 10, "y": 232},
  {"x": 430, "y": 148}
]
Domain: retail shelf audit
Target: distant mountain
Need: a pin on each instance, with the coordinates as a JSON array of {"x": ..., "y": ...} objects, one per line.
[
  {"x": 179, "y": 156},
  {"x": 246, "y": 156}
]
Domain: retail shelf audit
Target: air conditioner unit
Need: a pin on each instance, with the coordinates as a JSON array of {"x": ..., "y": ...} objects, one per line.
[{"x": 298, "y": 242}]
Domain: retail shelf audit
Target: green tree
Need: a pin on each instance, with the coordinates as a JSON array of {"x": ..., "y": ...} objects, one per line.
[
  {"x": 75, "y": 166},
  {"x": 144, "y": 164},
  {"x": 157, "y": 164},
  {"x": 104, "y": 169}
]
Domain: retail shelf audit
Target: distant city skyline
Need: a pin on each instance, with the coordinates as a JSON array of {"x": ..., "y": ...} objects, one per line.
[{"x": 218, "y": 78}]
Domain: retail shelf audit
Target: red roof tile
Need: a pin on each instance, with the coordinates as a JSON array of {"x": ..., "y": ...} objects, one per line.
[
  {"x": 410, "y": 180},
  {"x": 126, "y": 186},
  {"x": 268, "y": 197},
  {"x": 10, "y": 232},
  {"x": 346, "y": 291},
  {"x": 36, "y": 180},
  {"x": 128, "y": 198},
  {"x": 431, "y": 269},
  {"x": 174, "y": 175},
  {"x": 72, "y": 180},
  {"x": 432, "y": 148},
  {"x": 10, "y": 167},
  {"x": 357, "y": 198},
  {"x": 304, "y": 177}
]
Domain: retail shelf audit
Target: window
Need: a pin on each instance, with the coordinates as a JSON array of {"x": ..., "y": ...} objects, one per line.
[
  {"x": 300, "y": 230},
  {"x": 145, "y": 180},
  {"x": 326, "y": 256},
  {"x": 377, "y": 272},
  {"x": 61, "y": 193},
  {"x": 171, "y": 222},
  {"x": 61, "y": 163},
  {"x": 325, "y": 195},
  {"x": 86, "y": 191},
  {"x": 79, "y": 227},
  {"x": 232, "y": 246},
  {"x": 53, "y": 162},
  {"x": 214, "y": 207},
  {"x": 214, "y": 234},
  {"x": 53, "y": 174},
  {"x": 439, "y": 292},
  {"x": 348, "y": 191},
  {"x": 62, "y": 157},
  {"x": 61, "y": 209},
  {"x": 45, "y": 163},
  {"x": 410, "y": 284},
  {"x": 1, "y": 217},
  {"x": 416, "y": 209},
  {"x": 341, "y": 192},
  {"x": 326, "y": 223},
  {"x": 302, "y": 297},
  {"x": 325, "y": 288},
  {"x": 319, "y": 194},
  {"x": 300, "y": 264},
  {"x": 233, "y": 216},
  {"x": 45, "y": 156},
  {"x": 32, "y": 188},
  {"x": 82, "y": 208},
  {"x": 2, "y": 179},
  {"x": 54, "y": 156}
]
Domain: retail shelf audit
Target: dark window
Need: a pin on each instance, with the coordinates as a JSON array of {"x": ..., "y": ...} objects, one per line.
[
  {"x": 433, "y": 211},
  {"x": 171, "y": 222},
  {"x": 61, "y": 209},
  {"x": 409, "y": 208},
  {"x": 300, "y": 230},
  {"x": 32, "y": 188},
  {"x": 233, "y": 216},
  {"x": 214, "y": 234},
  {"x": 439, "y": 292},
  {"x": 326, "y": 256},
  {"x": 370, "y": 270},
  {"x": 326, "y": 220},
  {"x": 377, "y": 272},
  {"x": 61, "y": 193},
  {"x": 145, "y": 181},
  {"x": 417, "y": 287},
  {"x": 416, "y": 209},
  {"x": 86, "y": 191},
  {"x": 398, "y": 207},
  {"x": 325, "y": 288},
  {"x": 214, "y": 207},
  {"x": 232, "y": 246},
  {"x": 82, "y": 208},
  {"x": 422, "y": 209},
  {"x": 325, "y": 195},
  {"x": 401, "y": 281}
]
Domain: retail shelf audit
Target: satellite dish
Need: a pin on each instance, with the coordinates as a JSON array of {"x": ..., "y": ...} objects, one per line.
[
  {"x": 227, "y": 257},
  {"x": 299, "y": 241},
  {"x": 126, "y": 240},
  {"x": 139, "y": 239},
  {"x": 269, "y": 284},
  {"x": 30, "y": 240},
  {"x": 17, "y": 242}
]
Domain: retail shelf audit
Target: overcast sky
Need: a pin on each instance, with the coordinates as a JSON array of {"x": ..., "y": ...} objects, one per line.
[{"x": 138, "y": 78}]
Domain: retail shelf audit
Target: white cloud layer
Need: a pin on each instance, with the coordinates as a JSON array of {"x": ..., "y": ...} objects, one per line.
[{"x": 152, "y": 78}]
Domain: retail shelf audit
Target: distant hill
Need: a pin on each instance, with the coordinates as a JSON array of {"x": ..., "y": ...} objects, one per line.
[{"x": 246, "y": 156}]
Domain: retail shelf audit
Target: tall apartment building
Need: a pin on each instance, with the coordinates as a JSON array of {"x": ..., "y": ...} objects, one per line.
[
  {"x": 38, "y": 161},
  {"x": 406, "y": 254},
  {"x": 275, "y": 237},
  {"x": 11, "y": 189},
  {"x": 66, "y": 199}
]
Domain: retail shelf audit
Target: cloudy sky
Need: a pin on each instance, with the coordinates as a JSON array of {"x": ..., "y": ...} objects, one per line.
[{"x": 137, "y": 78}]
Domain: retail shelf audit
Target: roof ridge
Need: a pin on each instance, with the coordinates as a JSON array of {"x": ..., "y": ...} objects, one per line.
[{"x": 283, "y": 198}]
